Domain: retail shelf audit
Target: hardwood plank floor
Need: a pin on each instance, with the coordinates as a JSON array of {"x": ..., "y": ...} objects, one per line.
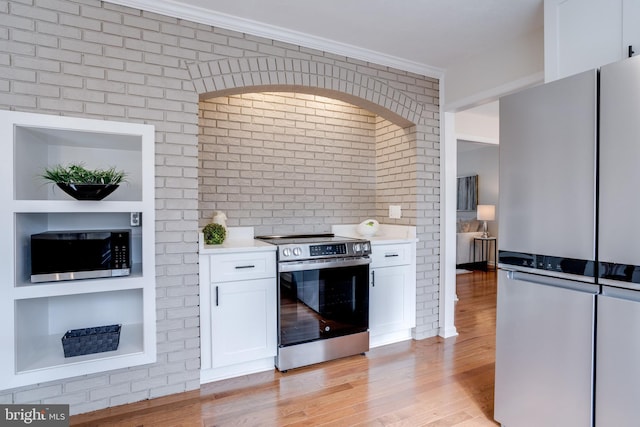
[{"x": 432, "y": 382}]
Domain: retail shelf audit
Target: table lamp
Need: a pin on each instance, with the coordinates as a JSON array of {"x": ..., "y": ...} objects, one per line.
[{"x": 486, "y": 213}]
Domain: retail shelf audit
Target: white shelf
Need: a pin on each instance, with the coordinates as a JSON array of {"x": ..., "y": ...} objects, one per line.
[
  {"x": 46, "y": 352},
  {"x": 64, "y": 206},
  {"x": 35, "y": 316},
  {"x": 102, "y": 145},
  {"x": 72, "y": 287}
]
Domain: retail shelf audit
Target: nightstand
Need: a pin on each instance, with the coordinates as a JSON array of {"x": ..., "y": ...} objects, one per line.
[{"x": 486, "y": 244}]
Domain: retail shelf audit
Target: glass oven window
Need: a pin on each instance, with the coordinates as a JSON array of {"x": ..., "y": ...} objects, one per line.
[{"x": 323, "y": 303}]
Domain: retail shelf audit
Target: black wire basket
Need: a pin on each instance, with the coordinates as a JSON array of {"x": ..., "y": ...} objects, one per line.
[{"x": 78, "y": 342}]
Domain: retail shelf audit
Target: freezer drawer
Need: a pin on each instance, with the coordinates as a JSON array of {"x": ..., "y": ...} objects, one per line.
[
  {"x": 544, "y": 348},
  {"x": 618, "y": 359}
]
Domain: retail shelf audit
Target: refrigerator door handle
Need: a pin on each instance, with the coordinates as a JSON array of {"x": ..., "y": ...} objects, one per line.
[{"x": 553, "y": 281}]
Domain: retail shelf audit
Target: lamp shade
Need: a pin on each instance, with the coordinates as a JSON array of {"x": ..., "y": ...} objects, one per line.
[{"x": 486, "y": 212}]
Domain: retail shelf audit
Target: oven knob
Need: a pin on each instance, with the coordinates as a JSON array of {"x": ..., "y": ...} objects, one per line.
[
  {"x": 286, "y": 252},
  {"x": 297, "y": 251}
]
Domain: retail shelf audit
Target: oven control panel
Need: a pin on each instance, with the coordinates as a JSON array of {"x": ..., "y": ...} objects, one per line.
[
  {"x": 321, "y": 250},
  {"x": 324, "y": 250}
]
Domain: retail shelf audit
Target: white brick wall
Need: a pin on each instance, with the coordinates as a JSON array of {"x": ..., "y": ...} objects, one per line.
[
  {"x": 428, "y": 228},
  {"x": 396, "y": 171},
  {"x": 286, "y": 163},
  {"x": 86, "y": 58}
]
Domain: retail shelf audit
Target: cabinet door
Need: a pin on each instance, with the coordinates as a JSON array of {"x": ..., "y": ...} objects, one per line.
[
  {"x": 243, "y": 321},
  {"x": 630, "y": 27},
  {"x": 389, "y": 307},
  {"x": 580, "y": 35}
]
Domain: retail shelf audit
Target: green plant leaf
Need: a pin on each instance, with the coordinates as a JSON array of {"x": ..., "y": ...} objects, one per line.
[{"x": 76, "y": 173}]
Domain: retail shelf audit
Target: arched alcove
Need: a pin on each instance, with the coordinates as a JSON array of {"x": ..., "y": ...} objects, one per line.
[{"x": 406, "y": 139}]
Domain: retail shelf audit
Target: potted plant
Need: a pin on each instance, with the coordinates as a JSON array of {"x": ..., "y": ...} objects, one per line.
[
  {"x": 214, "y": 234},
  {"x": 84, "y": 184}
]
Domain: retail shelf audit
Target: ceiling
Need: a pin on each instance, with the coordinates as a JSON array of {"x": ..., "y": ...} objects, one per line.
[
  {"x": 414, "y": 35},
  {"x": 421, "y": 36}
]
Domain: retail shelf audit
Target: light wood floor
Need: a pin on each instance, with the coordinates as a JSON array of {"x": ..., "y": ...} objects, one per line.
[{"x": 432, "y": 382}]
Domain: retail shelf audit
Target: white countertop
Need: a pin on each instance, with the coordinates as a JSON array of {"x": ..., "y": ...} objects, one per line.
[
  {"x": 239, "y": 239},
  {"x": 387, "y": 233}
]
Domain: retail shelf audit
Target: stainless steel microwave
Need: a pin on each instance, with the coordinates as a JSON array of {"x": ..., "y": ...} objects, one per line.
[{"x": 72, "y": 255}]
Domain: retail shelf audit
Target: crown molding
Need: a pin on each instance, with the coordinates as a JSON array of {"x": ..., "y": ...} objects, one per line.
[
  {"x": 200, "y": 15},
  {"x": 477, "y": 138}
]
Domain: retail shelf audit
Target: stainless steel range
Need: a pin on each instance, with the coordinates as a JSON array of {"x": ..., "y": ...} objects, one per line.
[{"x": 323, "y": 294}]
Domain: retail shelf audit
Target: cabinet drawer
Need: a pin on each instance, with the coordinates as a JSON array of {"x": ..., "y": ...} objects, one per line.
[
  {"x": 388, "y": 255},
  {"x": 243, "y": 266}
]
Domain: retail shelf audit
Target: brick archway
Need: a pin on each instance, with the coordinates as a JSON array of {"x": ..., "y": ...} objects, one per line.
[
  {"x": 392, "y": 99},
  {"x": 258, "y": 74}
]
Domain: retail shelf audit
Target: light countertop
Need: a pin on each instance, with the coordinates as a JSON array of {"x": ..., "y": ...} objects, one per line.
[
  {"x": 387, "y": 233},
  {"x": 239, "y": 239}
]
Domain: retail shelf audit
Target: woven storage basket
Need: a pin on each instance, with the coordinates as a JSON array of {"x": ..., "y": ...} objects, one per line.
[{"x": 77, "y": 342}]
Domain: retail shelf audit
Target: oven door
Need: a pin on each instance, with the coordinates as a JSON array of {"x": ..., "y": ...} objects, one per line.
[{"x": 322, "y": 299}]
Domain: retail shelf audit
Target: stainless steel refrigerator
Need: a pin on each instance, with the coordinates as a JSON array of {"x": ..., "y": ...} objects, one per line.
[
  {"x": 547, "y": 244},
  {"x": 568, "y": 316}
]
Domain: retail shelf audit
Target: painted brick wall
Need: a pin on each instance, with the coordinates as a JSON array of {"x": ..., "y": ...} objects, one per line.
[
  {"x": 396, "y": 171},
  {"x": 286, "y": 163},
  {"x": 86, "y": 58},
  {"x": 428, "y": 228}
]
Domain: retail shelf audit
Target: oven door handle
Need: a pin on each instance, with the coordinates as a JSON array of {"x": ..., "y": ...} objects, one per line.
[{"x": 322, "y": 264}]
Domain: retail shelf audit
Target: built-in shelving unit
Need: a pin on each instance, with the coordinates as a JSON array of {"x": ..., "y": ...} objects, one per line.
[{"x": 35, "y": 316}]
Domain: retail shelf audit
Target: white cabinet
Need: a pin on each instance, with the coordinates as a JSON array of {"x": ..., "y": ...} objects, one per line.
[
  {"x": 35, "y": 316},
  {"x": 242, "y": 320},
  {"x": 581, "y": 35},
  {"x": 238, "y": 310},
  {"x": 630, "y": 27},
  {"x": 392, "y": 293}
]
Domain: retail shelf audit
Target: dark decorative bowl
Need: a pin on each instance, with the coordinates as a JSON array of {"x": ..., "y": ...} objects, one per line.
[{"x": 88, "y": 191}]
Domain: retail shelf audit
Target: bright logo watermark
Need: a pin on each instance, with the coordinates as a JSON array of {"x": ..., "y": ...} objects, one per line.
[{"x": 34, "y": 415}]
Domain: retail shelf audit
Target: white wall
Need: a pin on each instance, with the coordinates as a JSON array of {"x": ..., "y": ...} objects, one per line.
[
  {"x": 480, "y": 124},
  {"x": 486, "y": 75},
  {"x": 482, "y": 160}
]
